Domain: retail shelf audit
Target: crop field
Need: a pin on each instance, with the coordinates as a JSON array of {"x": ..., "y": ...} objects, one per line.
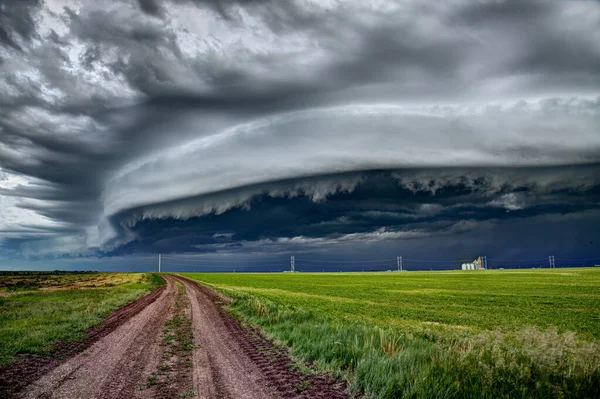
[
  {"x": 503, "y": 333},
  {"x": 38, "y": 309}
]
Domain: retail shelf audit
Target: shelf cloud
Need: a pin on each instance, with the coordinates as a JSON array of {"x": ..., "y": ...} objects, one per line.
[{"x": 143, "y": 126}]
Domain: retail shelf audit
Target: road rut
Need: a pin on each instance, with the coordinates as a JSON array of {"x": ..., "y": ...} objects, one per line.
[
  {"x": 114, "y": 366},
  {"x": 234, "y": 361},
  {"x": 228, "y": 361},
  {"x": 221, "y": 368}
]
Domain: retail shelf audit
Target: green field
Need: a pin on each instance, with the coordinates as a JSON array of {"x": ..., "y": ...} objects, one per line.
[
  {"x": 38, "y": 308},
  {"x": 504, "y": 333}
]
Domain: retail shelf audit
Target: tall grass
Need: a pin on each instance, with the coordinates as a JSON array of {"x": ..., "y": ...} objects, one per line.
[{"x": 436, "y": 362}]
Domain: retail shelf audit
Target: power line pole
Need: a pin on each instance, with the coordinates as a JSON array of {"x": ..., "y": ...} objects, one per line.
[
  {"x": 399, "y": 262},
  {"x": 159, "y": 261},
  {"x": 551, "y": 261},
  {"x": 292, "y": 264}
]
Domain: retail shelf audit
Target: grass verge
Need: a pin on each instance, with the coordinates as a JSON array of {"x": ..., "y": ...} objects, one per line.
[
  {"x": 425, "y": 363},
  {"x": 40, "y": 309},
  {"x": 424, "y": 360}
]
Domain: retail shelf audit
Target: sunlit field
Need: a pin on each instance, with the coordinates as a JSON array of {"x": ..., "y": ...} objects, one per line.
[
  {"x": 503, "y": 333},
  {"x": 38, "y": 309}
]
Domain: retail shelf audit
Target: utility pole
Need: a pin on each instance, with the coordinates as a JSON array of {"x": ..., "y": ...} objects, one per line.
[
  {"x": 551, "y": 261},
  {"x": 159, "y": 259},
  {"x": 292, "y": 264},
  {"x": 399, "y": 262}
]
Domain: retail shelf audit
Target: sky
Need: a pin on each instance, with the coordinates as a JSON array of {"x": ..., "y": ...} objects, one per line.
[{"x": 235, "y": 133}]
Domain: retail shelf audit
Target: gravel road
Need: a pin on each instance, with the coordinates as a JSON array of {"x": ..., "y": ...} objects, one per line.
[
  {"x": 228, "y": 361},
  {"x": 116, "y": 365}
]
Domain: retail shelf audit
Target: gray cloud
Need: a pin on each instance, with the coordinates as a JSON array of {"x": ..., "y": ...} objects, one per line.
[
  {"x": 361, "y": 209},
  {"x": 116, "y": 113},
  {"x": 17, "y": 23}
]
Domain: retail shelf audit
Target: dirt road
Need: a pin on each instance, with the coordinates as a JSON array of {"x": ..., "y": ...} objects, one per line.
[{"x": 149, "y": 356}]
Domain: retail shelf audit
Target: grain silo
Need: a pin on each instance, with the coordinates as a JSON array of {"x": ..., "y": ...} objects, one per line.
[{"x": 477, "y": 264}]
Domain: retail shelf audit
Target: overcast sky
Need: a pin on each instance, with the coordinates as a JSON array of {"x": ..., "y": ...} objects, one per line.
[{"x": 251, "y": 129}]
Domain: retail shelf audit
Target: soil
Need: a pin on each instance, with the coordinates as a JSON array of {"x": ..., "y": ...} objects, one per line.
[
  {"x": 169, "y": 343},
  {"x": 115, "y": 365},
  {"x": 27, "y": 368},
  {"x": 234, "y": 361}
]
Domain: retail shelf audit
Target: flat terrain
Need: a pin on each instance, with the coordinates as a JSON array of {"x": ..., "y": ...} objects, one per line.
[
  {"x": 173, "y": 342},
  {"x": 492, "y": 334},
  {"x": 504, "y": 333},
  {"x": 115, "y": 366},
  {"x": 39, "y": 308},
  {"x": 508, "y": 299}
]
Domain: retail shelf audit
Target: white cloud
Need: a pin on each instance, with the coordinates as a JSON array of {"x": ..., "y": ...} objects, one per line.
[
  {"x": 16, "y": 222},
  {"x": 351, "y": 138}
]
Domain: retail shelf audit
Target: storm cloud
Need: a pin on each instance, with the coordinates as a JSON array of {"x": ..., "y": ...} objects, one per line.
[{"x": 184, "y": 126}]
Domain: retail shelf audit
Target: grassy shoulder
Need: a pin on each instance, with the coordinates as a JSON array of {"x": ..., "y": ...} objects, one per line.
[
  {"x": 174, "y": 375},
  {"x": 454, "y": 339},
  {"x": 39, "y": 309}
]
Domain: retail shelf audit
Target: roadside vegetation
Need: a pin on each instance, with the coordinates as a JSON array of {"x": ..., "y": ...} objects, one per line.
[
  {"x": 489, "y": 334},
  {"x": 174, "y": 375},
  {"x": 39, "y": 309}
]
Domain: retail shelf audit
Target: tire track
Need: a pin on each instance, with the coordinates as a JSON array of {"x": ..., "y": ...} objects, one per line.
[
  {"x": 233, "y": 361},
  {"x": 29, "y": 368},
  {"x": 173, "y": 378},
  {"x": 221, "y": 369},
  {"x": 114, "y": 366},
  {"x": 228, "y": 361}
]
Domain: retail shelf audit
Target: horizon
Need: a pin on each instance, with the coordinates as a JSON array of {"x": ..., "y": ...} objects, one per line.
[{"x": 278, "y": 265}]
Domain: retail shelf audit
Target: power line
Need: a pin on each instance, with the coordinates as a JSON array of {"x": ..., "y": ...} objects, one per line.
[
  {"x": 346, "y": 261},
  {"x": 435, "y": 261},
  {"x": 221, "y": 260},
  {"x": 221, "y": 266},
  {"x": 203, "y": 261},
  {"x": 180, "y": 259},
  {"x": 517, "y": 260},
  {"x": 171, "y": 265}
]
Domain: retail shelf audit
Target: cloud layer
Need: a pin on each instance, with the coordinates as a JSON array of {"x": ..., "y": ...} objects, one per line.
[{"x": 137, "y": 126}]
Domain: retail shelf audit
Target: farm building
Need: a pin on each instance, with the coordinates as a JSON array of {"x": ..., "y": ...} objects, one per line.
[{"x": 477, "y": 264}]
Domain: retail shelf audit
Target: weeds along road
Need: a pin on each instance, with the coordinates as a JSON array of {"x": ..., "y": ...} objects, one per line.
[{"x": 181, "y": 345}]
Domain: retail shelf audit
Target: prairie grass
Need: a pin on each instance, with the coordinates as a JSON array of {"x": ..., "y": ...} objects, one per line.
[
  {"x": 32, "y": 318},
  {"x": 432, "y": 348}
]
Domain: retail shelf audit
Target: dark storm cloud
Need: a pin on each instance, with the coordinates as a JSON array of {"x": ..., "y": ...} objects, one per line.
[
  {"x": 17, "y": 21},
  {"x": 451, "y": 47},
  {"x": 466, "y": 41},
  {"x": 120, "y": 120},
  {"x": 416, "y": 204},
  {"x": 152, "y": 7},
  {"x": 538, "y": 24}
]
